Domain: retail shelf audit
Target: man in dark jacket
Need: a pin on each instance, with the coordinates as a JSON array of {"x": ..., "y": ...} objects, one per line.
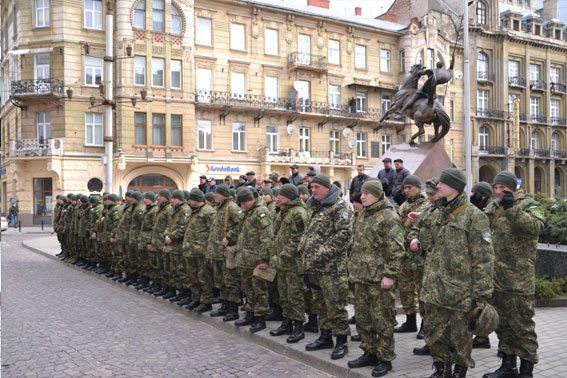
[
  {"x": 357, "y": 181},
  {"x": 387, "y": 176},
  {"x": 401, "y": 174},
  {"x": 250, "y": 179},
  {"x": 203, "y": 183},
  {"x": 296, "y": 178}
]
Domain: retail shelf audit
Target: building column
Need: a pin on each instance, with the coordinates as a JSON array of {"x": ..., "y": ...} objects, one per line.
[
  {"x": 551, "y": 172},
  {"x": 530, "y": 184}
]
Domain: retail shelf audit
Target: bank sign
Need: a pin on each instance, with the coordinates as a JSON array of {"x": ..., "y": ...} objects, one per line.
[{"x": 222, "y": 168}]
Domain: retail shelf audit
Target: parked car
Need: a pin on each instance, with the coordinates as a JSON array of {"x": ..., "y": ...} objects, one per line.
[{"x": 4, "y": 224}]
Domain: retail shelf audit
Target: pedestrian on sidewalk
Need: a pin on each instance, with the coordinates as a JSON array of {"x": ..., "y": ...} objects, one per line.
[{"x": 14, "y": 214}]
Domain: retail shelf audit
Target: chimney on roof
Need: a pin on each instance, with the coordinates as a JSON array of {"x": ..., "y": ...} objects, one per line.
[
  {"x": 319, "y": 3},
  {"x": 389, "y": 17},
  {"x": 358, "y": 11}
]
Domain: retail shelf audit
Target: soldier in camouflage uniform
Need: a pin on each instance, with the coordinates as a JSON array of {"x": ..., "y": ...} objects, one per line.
[
  {"x": 133, "y": 261},
  {"x": 121, "y": 240},
  {"x": 82, "y": 232},
  {"x": 56, "y": 217},
  {"x": 323, "y": 247},
  {"x": 162, "y": 219},
  {"x": 94, "y": 214},
  {"x": 408, "y": 280},
  {"x": 373, "y": 265},
  {"x": 68, "y": 227},
  {"x": 288, "y": 228},
  {"x": 457, "y": 278},
  {"x": 111, "y": 223},
  {"x": 199, "y": 273},
  {"x": 101, "y": 238},
  {"x": 59, "y": 226},
  {"x": 252, "y": 251},
  {"x": 145, "y": 239},
  {"x": 516, "y": 223}
]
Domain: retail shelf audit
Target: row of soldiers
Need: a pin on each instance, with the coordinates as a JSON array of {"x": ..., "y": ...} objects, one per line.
[{"x": 282, "y": 252}]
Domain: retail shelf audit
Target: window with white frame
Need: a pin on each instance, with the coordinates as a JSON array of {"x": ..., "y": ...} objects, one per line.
[
  {"x": 42, "y": 67},
  {"x": 534, "y": 108},
  {"x": 205, "y": 134},
  {"x": 419, "y": 59},
  {"x": 140, "y": 128},
  {"x": 482, "y": 66},
  {"x": 271, "y": 42},
  {"x": 238, "y": 85},
  {"x": 93, "y": 70},
  {"x": 158, "y": 129},
  {"x": 239, "y": 136},
  {"x": 176, "y": 77},
  {"x": 204, "y": 84},
  {"x": 361, "y": 102},
  {"x": 482, "y": 102},
  {"x": 158, "y": 72},
  {"x": 513, "y": 69},
  {"x": 385, "y": 60},
  {"x": 361, "y": 145},
  {"x": 386, "y": 143},
  {"x": 430, "y": 58},
  {"x": 535, "y": 140},
  {"x": 555, "y": 142},
  {"x": 554, "y": 74},
  {"x": 554, "y": 111},
  {"x": 481, "y": 13},
  {"x": 93, "y": 129},
  {"x": 237, "y": 37},
  {"x": 271, "y": 89},
  {"x": 140, "y": 15},
  {"x": 511, "y": 98},
  {"x": 386, "y": 102},
  {"x": 273, "y": 139},
  {"x": 334, "y": 96},
  {"x": 334, "y": 51},
  {"x": 335, "y": 141},
  {"x": 93, "y": 14},
  {"x": 139, "y": 70},
  {"x": 402, "y": 61},
  {"x": 41, "y": 13},
  {"x": 535, "y": 71},
  {"x": 304, "y": 139},
  {"x": 483, "y": 138},
  {"x": 176, "y": 130},
  {"x": 43, "y": 127},
  {"x": 176, "y": 22},
  {"x": 158, "y": 15},
  {"x": 360, "y": 57},
  {"x": 204, "y": 31}
]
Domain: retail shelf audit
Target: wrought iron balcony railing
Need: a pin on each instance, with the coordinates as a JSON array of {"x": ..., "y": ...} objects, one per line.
[
  {"x": 538, "y": 85},
  {"x": 485, "y": 76},
  {"x": 542, "y": 153},
  {"x": 523, "y": 117},
  {"x": 37, "y": 147},
  {"x": 558, "y": 87},
  {"x": 538, "y": 118},
  {"x": 524, "y": 152},
  {"x": 490, "y": 113},
  {"x": 517, "y": 81},
  {"x": 39, "y": 87},
  {"x": 560, "y": 154},
  {"x": 492, "y": 150},
  {"x": 289, "y": 155},
  {"x": 559, "y": 121},
  {"x": 307, "y": 60}
]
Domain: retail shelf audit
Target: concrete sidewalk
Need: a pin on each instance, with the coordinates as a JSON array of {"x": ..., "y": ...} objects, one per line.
[{"x": 551, "y": 326}]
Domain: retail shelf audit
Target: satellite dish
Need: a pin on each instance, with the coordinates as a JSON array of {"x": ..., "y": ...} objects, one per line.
[
  {"x": 291, "y": 129},
  {"x": 352, "y": 143},
  {"x": 458, "y": 74},
  {"x": 347, "y": 132}
]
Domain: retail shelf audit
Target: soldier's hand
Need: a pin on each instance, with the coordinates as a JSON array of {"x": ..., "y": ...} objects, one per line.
[
  {"x": 167, "y": 240},
  {"x": 263, "y": 266},
  {"x": 93, "y": 235},
  {"x": 386, "y": 283},
  {"x": 211, "y": 263},
  {"x": 415, "y": 245},
  {"x": 480, "y": 305},
  {"x": 112, "y": 240},
  {"x": 225, "y": 242},
  {"x": 413, "y": 217},
  {"x": 508, "y": 200},
  {"x": 164, "y": 249},
  {"x": 149, "y": 247}
]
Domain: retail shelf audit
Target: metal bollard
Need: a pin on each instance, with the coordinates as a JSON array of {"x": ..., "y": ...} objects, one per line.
[
  {"x": 42, "y": 225},
  {"x": 20, "y": 225}
]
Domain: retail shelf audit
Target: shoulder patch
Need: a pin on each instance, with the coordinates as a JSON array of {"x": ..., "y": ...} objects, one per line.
[
  {"x": 487, "y": 235},
  {"x": 240, "y": 211},
  {"x": 262, "y": 214},
  {"x": 398, "y": 235},
  {"x": 140, "y": 212},
  {"x": 299, "y": 224},
  {"x": 536, "y": 211},
  {"x": 341, "y": 202},
  {"x": 345, "y": 215},
  {"x": 481, "y": 224}
]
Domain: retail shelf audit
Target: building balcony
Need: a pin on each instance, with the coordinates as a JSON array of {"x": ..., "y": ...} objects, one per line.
[
  {"x": 38, "y": 147},
  {"x": 558, "y": 87},
  {"x": 306, "y": 61},
  {"x": 538, "y": 85},
  {"x": 524, "y": 152},
  {"x": 21, "y": 89},
  {"x": 558, "y": 121},
  {"x": 542, "y": 153},
  {"x": 538, "y": 118},
  {"x": 291, "y": 155},
  {"x": 238, "y": 100},
  {"x": 560, "y": 154},
  {"x": 490, "y": 113},
  {"x": 523, "y": 117},
  {"x": 485, "y": 76},
  {"x": 517, "y": 81},
  {"x": 491, "y": 150}
]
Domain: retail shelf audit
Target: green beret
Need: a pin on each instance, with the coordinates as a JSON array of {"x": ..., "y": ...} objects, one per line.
[
  {"x": 165, "y": 193},
  {"x": 210, "y": 196},
  {"x": 178, "y": 194},
  {"x": 373, "y": 187},
  {"x": 506, "y": 178},
  {"x": 197, "y": 195},
  {"x": 94, "y": 199},
  {"x": 289, "y": 191},
  {"x": 413, "y": 181},
  {"x": 455, "y": 178},
  {"x": 244, "y": 195},
  {"x": 431, "y": 185},
  {"x": 112, "y": 197},
  {"x": 84, "y": 199},
  {"x": 223, "y": 190},
  {"x": 302, "y": 189},
  {"x": 128, "y": 193},
  {"x": 322, "y": 180},
  {"x": 268, "y": 191},
  {"x": 150, "y": 195},
  {"x": 136, "y": 195},
  {"x": 186, "y": 194},
  {"x": 74, "y": 197},
  {"x": 70, "y": 195},
  {"x": 483, "y": 188}
]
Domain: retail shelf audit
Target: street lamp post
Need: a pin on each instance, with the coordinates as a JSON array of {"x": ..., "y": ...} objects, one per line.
[
  {"x": 108, "y": 59},
  {"x": 467, "y": 98}
]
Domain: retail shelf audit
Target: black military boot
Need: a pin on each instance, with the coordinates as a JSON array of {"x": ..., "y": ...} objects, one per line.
[
  {"x": 117, "y": 276},
  {"x": 275, "y": 313},
  {"x": 162, "y": 291},
  {"x": 526, "y": 369},
  {"x": 232, "y": 312},
  {"x": 355, "y": 338},
  {"x": 133, "y": 279},
  {"x": 153, "y": 288},
  {"x": 110, "y": 273},
  {"x": 181, "y": 294},
  {"x": 423, "y": 351},
  {"x": 144, "y": 283},
  {"x": 367, "y": 359},
  {"x": 170, "y": 294},
  {"x": 420, "y": 334},
  {"x": 221, "y": 311},
  {"x": 459, "y": 372},
  {"x": 203, "y": 307},
  {"x": 186, "y": 301},
  {"x": 297, "y": 333},
  {"x": 285, "y": 328},
  {"x": 324, "y": 341},
  {"x": 442, "y": 370},
  {"x": 480, "y": 342},
  {"x": 192, "y": 305},
  {"x": 352, "y": 320},
  {"x": 258, "y": 325},
  {"x": 382, "y": 368},
  {"x": 341, "y": 347},
  {"x": 506, "y": 370},
  {"x": 125, "y": 278},
  {"x": 409, "y": 326},
  {"x": 247, "y": 320},
  {"x": 311, "y": 325}
]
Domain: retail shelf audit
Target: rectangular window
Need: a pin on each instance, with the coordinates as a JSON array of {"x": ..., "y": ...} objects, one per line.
[
  {"x": 158, "y": 16},
  {"x": 93, "y": 14},
  {"x": 554, "y": 74},
  {"x": 176, "y": 23},
  {"x": 304, "y": 139},
  {"x": 43, "y": 127},
  {"x": 534, "y": 72},
  {"x": 430, "y": 58},
  {"x": 205, "y": 134},
  {"x": 334, "y": 96},
  {"x": 402, "y": 61},
  {"x": 237, "y": 37},
  {"x": 140, "y": 128},
  {"x": 140, "y": 15},
  {"x": 482, "y": 102},
  {"x": 271, "y": 42},
  {"x": 42, "y": 67},
  {"x": 238, "y": 85},
  {"x": 513, "y": 68},
  {"x": 386, "y": 143},
  {"x": 271, "y": 89},
  {"x": 361, "y": 102},
  {"x": 158, "y": 129},
  {"x": 534, "y": 108},
  {"x": 41, "y": 13},
  {"x": 93, "y": 129},
  {"x": 375, "y": 149},
  {"x": 334, "y": 51},
  {"x": 140, "y": 70},
  {"x": 158, "y": 72},
  {"x": 273, "y": 139},
  {"x": 554, "y": 111},
  {"x": 361, "y": 145},
  {"x": 386, "y": 102},
  {"x": 93, "y": 70},
  {"x": 304, "y": 49},
  {"x": 335, "y": 141},
  {"x": 360, "y": 57},
  {"x": 239, "y": 136},
  {"x": 42, "y": 197},
  {"x": 204, "y": 31},
  {"x": 385, "y": 60},
  {"x": 176, "y": 130},
  {"x": 176, "y": 74},
  {"x": 204, "y": 84}
]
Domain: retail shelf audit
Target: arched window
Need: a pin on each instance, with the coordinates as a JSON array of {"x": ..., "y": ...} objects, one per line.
[
  {"x": 158, "y": 16},
  {"x": 152, "y": 183},
  {"x": 483, "y": 138},
  {"x": 535, "y": 140},
  {"x": 481, "y": 13},
  {"x": 555, "y": 142},
  {"x": 482, "y": 66},
  {"x": 176, "y": 22},
  {"x": 140, "y": 15}
]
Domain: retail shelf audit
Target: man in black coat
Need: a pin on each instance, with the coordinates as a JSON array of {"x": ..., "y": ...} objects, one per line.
[
  {"x": 401, "y": 174},
  {"x": 387, "y": 176},
  {"x": 357, "y": 181}
]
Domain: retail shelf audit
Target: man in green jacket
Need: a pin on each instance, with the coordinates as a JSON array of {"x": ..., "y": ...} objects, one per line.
[
  {"x": 112, "y": 222},
  {"x": 133, "y": 259},
  {"x": 155, "y": 247},
  {"x": 145, "y": 239},
  {"x": 121, "y": 239}
]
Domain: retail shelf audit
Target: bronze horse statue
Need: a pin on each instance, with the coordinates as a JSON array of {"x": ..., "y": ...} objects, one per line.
[{"x": 420, "y": 104}]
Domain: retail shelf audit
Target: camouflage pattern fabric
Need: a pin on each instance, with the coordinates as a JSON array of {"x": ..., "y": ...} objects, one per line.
[
  {"x": 145, "y": 239},
  {"x": 161, "y": 223},
  {"x": 134, "y": 260},
  {"x": 176, "y": 232},
  {"x": 291, "y": 294},
  {"x": 256, "y": 291},
  {"x": 288, "y": 229},
  {"x": 331, "y": 302}
]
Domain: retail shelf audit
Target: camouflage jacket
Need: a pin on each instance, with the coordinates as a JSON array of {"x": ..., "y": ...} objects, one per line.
[
  {"x": 75, "y": 220},
  {"x": 112, "y": 221},
  {"x": 138, "y": 212},
  {"x": 56, "y": 214},
  {"x": 459, "y": 269},
  {"x": 288, "y": 228},
  {"x": 425, "y": 230},
  {"x": 378, "y": 244},
  {"x": 84, "y": 219},
  {"x": 197, "y": 231},
  {"x": 95, "y": 215},
  {"x": 416, "y": 203},
  {"x": 101, "y": 235},
  {"x": 230, "y": 211},
  {"x": 272, "y": 209},
  {"x": 327, "y": 236},
  {"x": 161, "y": 223},
  {"x": 256, "y": 237},
  {"x": 62, "y": 216},
  {"x": 176, "y": 229},
  {"x": 145, "y": 237},
  {"x": 515, "y": 234},
  {"x": 68, "y": 220},
  {"x": 123, "y": 232}
]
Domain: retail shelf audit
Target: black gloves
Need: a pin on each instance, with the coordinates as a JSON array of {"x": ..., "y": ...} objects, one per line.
[
  {"x": 508, "y": 200},
  {"x": 476, "y": 199}
]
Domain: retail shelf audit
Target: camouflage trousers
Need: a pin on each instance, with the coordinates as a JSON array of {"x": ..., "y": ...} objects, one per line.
[
  {"x": 200, "y": 278},
  {"x": 156, "y": 262},
  {"x": 144, "y": 262},
  {"x": 308, "y": 299},
  {"x": 118, "y": 258},
  {"x": 273, "y": 293},
  {"x": 447, "y": 335},
  {"x": 516, "y": 328},
  {"x": 176, "y": 273},
  {"x": 290, "y": 287},
  {"x": 232, "y": 281},
  {"x": 331, "y": 302},
  {"x": 407, "y": 283},
  {"x": 375, "y": 310},
  {"x": 218, "y": 277},
  {"x": 256, "y": 290}
]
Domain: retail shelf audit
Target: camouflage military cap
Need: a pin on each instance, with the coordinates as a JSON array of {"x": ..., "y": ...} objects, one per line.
[
  {"x": 266, "y": 190},
  {"x": 431, "y": 185},
  {"x": 150, "y": 195},
  {"x": 136, "y": 195},
  {"x": 210, "y": 197},
  {"x": 112, "y": 197},
  {"x": 186, "y": 194},
  {"x": 483, "y": 321},
  {"x": 178, "y": 194},
  {"x": 483, "y": 188}
]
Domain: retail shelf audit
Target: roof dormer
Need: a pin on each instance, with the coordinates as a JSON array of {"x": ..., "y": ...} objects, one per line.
[
  {"x": 532, "y": 23},
  {"x": 554, "y": 29},
  {"x": 511, "y": 20}
]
